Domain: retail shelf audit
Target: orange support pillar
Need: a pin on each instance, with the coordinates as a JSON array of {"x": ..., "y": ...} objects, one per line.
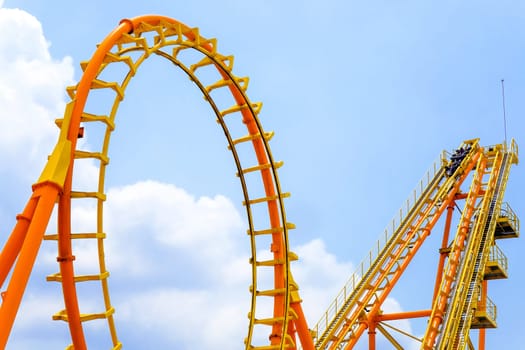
[
  {"x": 302, "y": 328},
  {"x": 443, "y": 253},
  {"x": 482, "y": 305},
  {"x": 403, "y": 315},
  {"x": 44, "y": 197},
  {"x": 481, "y": 340},
  {"x": 372, "y": 335},
  {"x": 16, "y": 240}
]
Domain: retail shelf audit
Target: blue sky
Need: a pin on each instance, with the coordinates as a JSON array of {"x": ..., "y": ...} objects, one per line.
[{"x": 362, "y": 98}]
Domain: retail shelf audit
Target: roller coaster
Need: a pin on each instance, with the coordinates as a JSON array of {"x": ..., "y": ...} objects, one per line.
[{"x": 470, "y": 180}]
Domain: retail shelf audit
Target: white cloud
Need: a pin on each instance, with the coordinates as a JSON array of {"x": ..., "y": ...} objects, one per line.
[
  {"x": 174, "y": 258},
  {"x": 181, "y": 316},
  {"x": 183, "y": 257},
  {"x": 170, "y": 221},
  {"x": 32, "y": 87},
  {"x": 37, "y": 310},
  {"x": 320, "y": 277},
  {"x": 33, "y": 326},
  {"x": 30, "y": 343}
]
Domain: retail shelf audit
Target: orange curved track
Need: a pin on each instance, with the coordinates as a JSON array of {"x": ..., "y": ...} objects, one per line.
[
  {"x": 466, "y": 260},
  {"x": 130, "y": 44}
]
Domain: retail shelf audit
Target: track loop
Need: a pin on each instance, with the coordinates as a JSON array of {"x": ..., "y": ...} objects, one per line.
[{"x": 132, "y": 43}]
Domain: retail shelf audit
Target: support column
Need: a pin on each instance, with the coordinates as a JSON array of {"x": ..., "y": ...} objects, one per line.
[
  {"x": 45, "y": 197},
  {"x": 443, "y": 252},
  {"x": 371, "y": 335},
  {"x": 482, "y": 304}
]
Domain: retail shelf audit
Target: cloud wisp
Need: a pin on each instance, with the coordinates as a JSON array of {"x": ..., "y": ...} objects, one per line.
[{"x": 31, "y": 92}]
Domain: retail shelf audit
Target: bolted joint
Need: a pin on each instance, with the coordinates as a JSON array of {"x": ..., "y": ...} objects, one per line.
[{"x": 61, "y": 259}]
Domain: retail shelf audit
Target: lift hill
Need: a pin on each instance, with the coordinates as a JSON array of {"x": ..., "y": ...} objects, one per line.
[{"x": 466, "y": 261}]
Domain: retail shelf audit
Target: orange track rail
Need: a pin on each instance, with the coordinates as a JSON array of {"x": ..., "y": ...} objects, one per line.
[{"x": 287, "y": 321}]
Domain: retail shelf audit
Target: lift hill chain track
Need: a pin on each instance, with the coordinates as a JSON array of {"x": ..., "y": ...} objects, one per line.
[
  {"x": 456, "y": 298},
  {"x": 356, "y": 308}
]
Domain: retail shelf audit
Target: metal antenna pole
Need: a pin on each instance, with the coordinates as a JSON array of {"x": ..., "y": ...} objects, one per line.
[{"x": 504, "y": 116}]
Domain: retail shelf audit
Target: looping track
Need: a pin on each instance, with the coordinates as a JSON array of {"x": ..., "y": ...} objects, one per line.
[
  {"x": 466, "y": 262},
  {"x": 132, "y": 42}
]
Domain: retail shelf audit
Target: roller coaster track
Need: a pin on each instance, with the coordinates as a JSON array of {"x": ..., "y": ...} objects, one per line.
[
  {"x": 128, "y": 46},
  {"x": 358, "y": 306},
  {"x": 460, "y": 289},
  {"x": 480, "y": 238}
]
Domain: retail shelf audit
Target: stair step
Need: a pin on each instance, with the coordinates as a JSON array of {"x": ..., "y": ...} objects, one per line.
[
  {"x": 57, "y": 277},
  {"x": 112, "y": 58},
  {"x": 101, "y": 84},
  {"x": 289, "y": 226},
  {"x": 288, "y": 344},
  {"x": 269, "y": 292},
  {"x": 131, "y": 39},
  {"x": 267, "y": 136},
  {"x": 241, "y": 81},
  {"x": 93, "y": 155},
  {"x": 81, "y": 194},
  {"x": 291, "y": 257},
  {"x": 267, "y": 199},
  {"x": 62, "y": 315},
  {"x": 256, "y": 106},
  {"x": 269, "y": 321},
  {"x": 98, "y": 235},
  {"x": 259, "y": 167}
]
